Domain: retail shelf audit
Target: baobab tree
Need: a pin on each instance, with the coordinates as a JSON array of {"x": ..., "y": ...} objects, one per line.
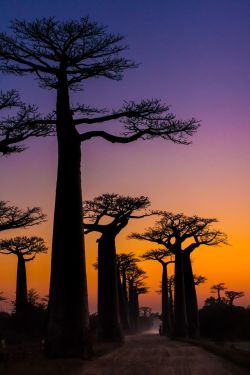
[
  {"x": 136, "y": 286},
  {"x": 21, "y": 125},
  {"x": 181, "y": 235},
  {"x": 2, "y": 298},
  {"x": 12, "y": 217},
  {"x": 199, "y": 279},
  {"x": 145, "y": 311},
  {"x": 108, "y": 214},
  {"x": 218, "y": 288},
  {"x": 232, "y": 295},
  {"x": 26, "y": 249},
  {"x": 160, "y": 255},
  {"x": 124, "y": 262},
  {"x": 62, "y": 55}
]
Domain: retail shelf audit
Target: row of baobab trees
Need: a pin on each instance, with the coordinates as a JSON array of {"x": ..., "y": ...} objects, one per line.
[
  {"x": 120, "y": 280},
  {"x": 62, "y": 56}
]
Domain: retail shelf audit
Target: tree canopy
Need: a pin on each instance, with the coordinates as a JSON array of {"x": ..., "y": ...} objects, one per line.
[
  {"x": 18, "y": 122},
  {"x": 27, "y": 247},
  {"x": 175, "y": 229},
  {"x": 12, "y": 217}
]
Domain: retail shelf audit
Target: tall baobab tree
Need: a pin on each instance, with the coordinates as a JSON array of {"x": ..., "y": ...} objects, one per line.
[
  {"x": 12, "y": 217},
  {"x": 160, "y": 256},
  {"x": 218, "y": 288},
  {"x": 136, "y": 286},
  {"x": 26, "y": 249},
  {"x": 124, "y": 263},
  {"x": 21, "y": 125},
  {"x": 108, "y": 214},
  {"x": 62, "y": 55},
  {"x": 181, "y": 235}
]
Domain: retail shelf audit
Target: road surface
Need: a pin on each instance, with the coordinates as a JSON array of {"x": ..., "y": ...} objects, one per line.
[{"x": 150, "y": 354}]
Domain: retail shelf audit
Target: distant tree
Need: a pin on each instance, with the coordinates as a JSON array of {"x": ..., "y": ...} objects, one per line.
[
  {"x": 218, "y": 288},
  {"x": 145, "y": 311},
  {"x": 232, "y": 295},
  {"x": 124, "y": 263},
  {"x": 199, "y": 279},
  {"x": 160, "y": 256},
  {"x": 171, "y": 298},
  {"x": 181, "y": 235},
  {"x": 12, "y": 217},
  {"x": 21, "y": 125},
  {"x": 26, "y": 249},
  {"x": 62, "y": 55},
  {"x": 2, "y": 298},
  {"x": 136, "y": 286},
  {"x": 210, "y": 301},
  {"x": 108, "y": 214}
]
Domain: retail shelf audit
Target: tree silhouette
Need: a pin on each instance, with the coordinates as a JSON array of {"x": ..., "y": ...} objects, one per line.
[
  {"x": 12, "y": 217},
  {"x": 108, "y": 214},
  {"x": 160, "y": 256},
  {"x": 2, "y": 298},
  {"x": 136, "y": 286},
  {"x": 199, "y": 279},
  {"x": 145, "y": 311},
  {"x": 124, "y": 263},
  {"x": 181, "y": 235},
  {"x": 26, "y": 249},
  {"x": 232, "y": 295},
  {"x": 62, "y": 55},
  {"x": 21, "y": 125},
  {"x": 217, "y": 288}
]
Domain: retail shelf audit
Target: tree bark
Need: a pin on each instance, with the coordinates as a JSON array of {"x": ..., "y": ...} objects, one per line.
[
  {"x": 181, "y": 323},
  {"x": 68, "y": 333},
  {"x": 131, "y": 306},
  {"x": 109, "y": 327},
  {"x": 164, "y": 302},
  {"x": 122, "y": 304},
  {"x": 125, "y": 295},
  {"x": 137, "y": 308},
  {"x": 21, "y": 291},
  {"x": 191, "y": 298},
  {"x": 171, "y": 310}
]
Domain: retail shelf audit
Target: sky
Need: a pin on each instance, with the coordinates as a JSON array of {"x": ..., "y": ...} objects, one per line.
[{"x": 193, "y": 55}]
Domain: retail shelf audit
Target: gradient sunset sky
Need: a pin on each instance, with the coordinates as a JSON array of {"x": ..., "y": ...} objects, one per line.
[{"x": 195, "y": 56}]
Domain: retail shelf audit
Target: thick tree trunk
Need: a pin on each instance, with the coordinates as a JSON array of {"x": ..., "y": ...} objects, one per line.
[
  {"x": 191, "y": 298},
  {"x": 68, "y": 333},
  {"x": 131, "y": 306},
  {"x": 122, "y": 304},
  {"x": 164, "y": 302},
  {"x": 125, "y": 295},
  {"x": 109, "y": 327},
  {"x": 181, "y": 324},
  {"x": 171, "y": 310},
  {"x": 137, "y": 309},
  {"x": 21, "y": 291}
]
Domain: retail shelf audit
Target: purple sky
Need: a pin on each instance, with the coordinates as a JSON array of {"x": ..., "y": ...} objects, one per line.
[{"x": 194, "y": 55}]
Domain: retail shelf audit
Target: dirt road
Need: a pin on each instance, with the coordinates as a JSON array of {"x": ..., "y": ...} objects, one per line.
[{"x": 150, "y": 354}]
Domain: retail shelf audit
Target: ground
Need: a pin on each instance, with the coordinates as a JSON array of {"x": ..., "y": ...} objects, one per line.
[
  {"x": 150, "y": 354},
  {"x": 144, "y": 354}
]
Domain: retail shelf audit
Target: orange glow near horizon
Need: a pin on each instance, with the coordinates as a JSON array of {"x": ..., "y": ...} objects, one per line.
[{"x": 218, "y": 264}]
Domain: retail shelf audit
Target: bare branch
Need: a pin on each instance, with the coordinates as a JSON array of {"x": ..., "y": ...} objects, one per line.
[{"x": 11, "y": 217}]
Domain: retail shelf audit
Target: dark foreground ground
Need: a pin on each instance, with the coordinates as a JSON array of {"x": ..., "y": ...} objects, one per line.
[
  {"x": 144, "y": 354},
  {"x": 150, "y": 354}
]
